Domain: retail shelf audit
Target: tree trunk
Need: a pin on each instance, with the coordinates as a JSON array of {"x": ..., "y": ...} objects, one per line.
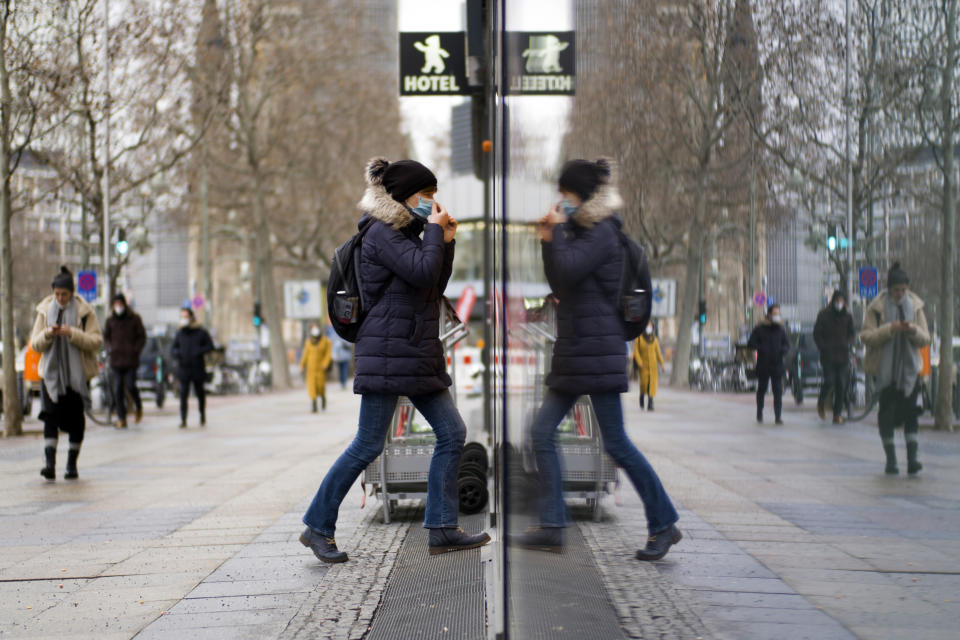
[
  {"x": 12, "y": 418},
  {"x": 943, "y": 413},
  {"x": 273, "y": 313},
  {"x": 688, "y": 308}
]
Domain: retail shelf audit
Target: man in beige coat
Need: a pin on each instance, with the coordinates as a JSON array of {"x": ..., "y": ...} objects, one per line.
[
  {"x": 894, "y": 329},
  {"x": 67, "y": 335}
]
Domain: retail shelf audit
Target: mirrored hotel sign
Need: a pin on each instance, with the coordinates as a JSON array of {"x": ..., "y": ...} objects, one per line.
[{"x": 540, "y": 63}]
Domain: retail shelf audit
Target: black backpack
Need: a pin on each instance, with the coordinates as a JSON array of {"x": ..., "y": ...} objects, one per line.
[
  {"x": 635, "y": 296},
  {"x": 346, "y": 306}
]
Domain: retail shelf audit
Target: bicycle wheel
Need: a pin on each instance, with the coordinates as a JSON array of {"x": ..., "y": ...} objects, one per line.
[{"x": 855, "y": 414}]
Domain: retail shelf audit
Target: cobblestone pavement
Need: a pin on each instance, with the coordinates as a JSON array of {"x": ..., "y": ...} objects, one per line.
[{"x": 790, "y": 532}]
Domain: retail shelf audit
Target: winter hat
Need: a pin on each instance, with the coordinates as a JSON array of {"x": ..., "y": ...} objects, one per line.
[
  {"x": 401, "y": 179},
  {"x": 120, "y": 298},
  {"x": 837, "y": 293},
  {"x": 583, "y": 177},
  {"x": 896, "y": 275},
  {"x": 63, "y": 280}
]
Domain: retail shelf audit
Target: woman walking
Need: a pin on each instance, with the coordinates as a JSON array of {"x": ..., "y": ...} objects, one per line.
[
  {"x": 582, "y": 257},
  {"x": 314, "y": 362},
  {"x": 894, "y": 328},
  {"x": 190, "y": 345},
  {"x": 67, "y": 335},
  {"x": 649, "y": 359},
  {"x": 398, "y": 351}
]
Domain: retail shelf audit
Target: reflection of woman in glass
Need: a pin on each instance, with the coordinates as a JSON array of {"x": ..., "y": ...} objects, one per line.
[{"x": 582, "y": 257}]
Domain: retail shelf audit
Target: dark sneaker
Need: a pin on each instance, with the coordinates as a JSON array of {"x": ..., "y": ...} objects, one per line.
[
  {"x": 659, "y": 543},
  {"x": 540, "y": 539},
  {"x": 183, "y": 424},
  {"x": 821, "y": 410},
  {"x": 323, "y": 547},
  {"x": 914, "y": 467},
  {"x": 778, "y": 421},
  {"x": 49, "y": 473},
  {"x": 759, "y": 416},
  {"x": 455, "y": 539},
  {"x": 891, "y": 469}
]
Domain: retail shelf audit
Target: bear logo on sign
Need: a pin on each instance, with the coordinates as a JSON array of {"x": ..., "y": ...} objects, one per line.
[
  {"x": 433, "y": 54},
  {"x": 543, "y": 54}
]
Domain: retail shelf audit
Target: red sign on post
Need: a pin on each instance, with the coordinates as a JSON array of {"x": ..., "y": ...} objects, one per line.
[{"x": 465, "y": 304}]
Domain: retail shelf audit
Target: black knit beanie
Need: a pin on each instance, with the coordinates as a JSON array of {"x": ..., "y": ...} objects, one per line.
[
  {"x": 120, "y": 298},
  {"x": 63, "y": 280},
  {"x": 896, "y": 275},
  {"x": 402, "y": 178},
  {"x": 583, "y": 177}
]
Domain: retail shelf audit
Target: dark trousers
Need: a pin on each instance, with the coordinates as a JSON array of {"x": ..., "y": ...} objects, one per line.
[
  {"x": 64, "y": 415},
  {"x": 835, "y": 381},
  {"x": 897, "y": 409},
  {"x": 125, "y": 379},
  {"x": 764, "y": 378},
  {"x": 343, "y": 366},
  {"x": 197, "y": 381}
]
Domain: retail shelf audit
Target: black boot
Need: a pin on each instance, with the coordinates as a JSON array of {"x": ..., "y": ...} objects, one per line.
[
  {"x": 71, "y": 471},
  {"x": 650, "y": 404},
  {"x": 659, "y": 543},
  {"x": 540, "y": 539},
  {"x": 323, "y": 402},
  {"x": 891, "y": 468},
  {"x": 455, "y": 539},
  {"x": 641, "y": 401},
  {"x": 313, "y": 406},
  {"x": 49, "y": 472},
  {"x": 913, "y": 465},
  {"x": 323, "y": 547},
  {"x": 760, "y": 415}
]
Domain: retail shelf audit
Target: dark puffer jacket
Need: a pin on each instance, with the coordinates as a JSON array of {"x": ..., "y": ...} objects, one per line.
[
  {"x": 770, "y": 341},
  {"x": 834, "y": 334},
  {"x": 398, "y": 349},
  {"x": 124, "y": 336},
  {"x": 189, "y": 346},
  {"x": 583, "y": 265}
]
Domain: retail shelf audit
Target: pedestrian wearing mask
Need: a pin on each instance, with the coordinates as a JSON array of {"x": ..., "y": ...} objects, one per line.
[
  {"x": 314, "y": 362},
  {"x": 67, "y": 335},
  {"x": 124, "y": 337},
  {"x": 834, "y": 334},
  {"x": 769, "y": 338},
  {"x": 582, "y": 259},
  {"x": 649, "y": 359},
  {"x": 398, "y": 351},
  {"x": 894, "y": 329},
  {"x": 190, "y": 345}
]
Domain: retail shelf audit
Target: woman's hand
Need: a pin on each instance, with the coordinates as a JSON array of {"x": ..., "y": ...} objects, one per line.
[{"x": 546, "y": 224}]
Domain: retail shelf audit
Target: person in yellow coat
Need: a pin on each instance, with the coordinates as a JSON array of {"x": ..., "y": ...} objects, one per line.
[
  {"x": 649, "y": 359},
  {"x": 317, "y": 355}
]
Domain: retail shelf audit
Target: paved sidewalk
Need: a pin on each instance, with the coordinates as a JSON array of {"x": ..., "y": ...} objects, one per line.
[{"x": 790, "y": 532}]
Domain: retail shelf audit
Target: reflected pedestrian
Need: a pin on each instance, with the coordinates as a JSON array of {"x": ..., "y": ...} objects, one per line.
[
  {"x": 342, "y": 355},
  {"x": 649, "y": 360},
  {"x": 399, "y": 351},
  {"x": 582, "y": 258},
  {"x": 834, "y": 334},
  {"x": 314, "y": 362},
  {"x": 124, "y": 337},
  {"x": 67, "y": 335},
  {"x": 190, "y": 345},
  {"x": 894, "y": 329},
  {"x": 769, "y": 338}
]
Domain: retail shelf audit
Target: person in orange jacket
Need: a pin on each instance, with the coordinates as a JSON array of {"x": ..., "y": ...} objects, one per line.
[
  {"x": 317, "y": 356},
  {"x": 649, "y": 359}
]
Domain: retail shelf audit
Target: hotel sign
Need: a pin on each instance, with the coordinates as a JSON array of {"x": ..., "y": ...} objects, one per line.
[
  {"x": 433, "y": 64},
  {"x": 540, "y": 62}
]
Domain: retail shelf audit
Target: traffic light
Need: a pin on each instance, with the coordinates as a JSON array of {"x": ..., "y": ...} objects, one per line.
[
  {"x": 257, "y": 318},
  {"x": 122, "y": 245},
  {"x": 831, "y": 237},
  {"x": 703, "y": 311}
]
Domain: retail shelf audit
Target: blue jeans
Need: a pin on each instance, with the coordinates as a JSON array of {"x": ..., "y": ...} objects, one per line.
[
  {"x": 376, "y": 413},
  {"x": 659, "y": 510}
]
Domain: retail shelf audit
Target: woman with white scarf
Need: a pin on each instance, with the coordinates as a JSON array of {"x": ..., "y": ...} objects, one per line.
[
  {"x": 67, "y": 335},
  {"x": 894, "y": 329}
]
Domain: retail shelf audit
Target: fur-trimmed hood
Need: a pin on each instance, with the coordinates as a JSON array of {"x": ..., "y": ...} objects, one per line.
[
  {"x": 601, "y": 205},
  {"x": 377, "y": 202},
  {"x": 604, "y": 202}
]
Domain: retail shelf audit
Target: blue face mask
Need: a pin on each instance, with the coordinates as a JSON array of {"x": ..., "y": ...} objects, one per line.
[
  {"x": 568, "y": 209},
  {"x": 423, "y": 208}
]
